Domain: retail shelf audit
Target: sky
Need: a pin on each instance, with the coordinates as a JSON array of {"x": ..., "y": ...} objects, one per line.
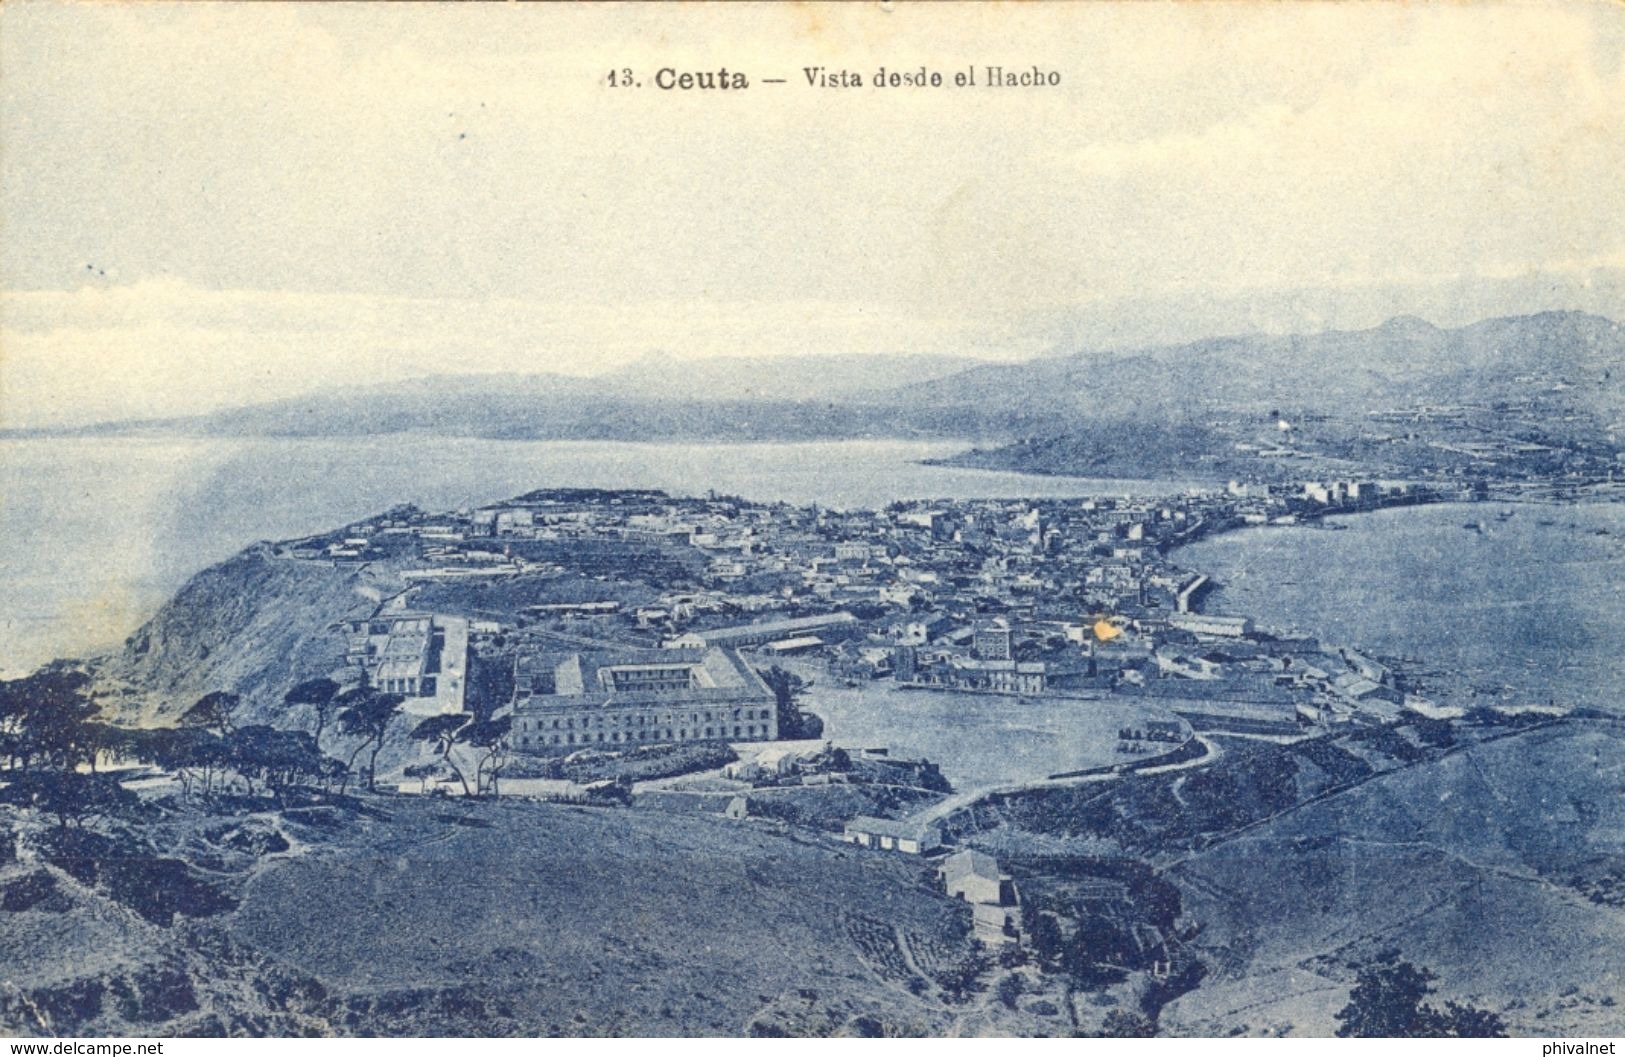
[{"x": 206, "y": 205}]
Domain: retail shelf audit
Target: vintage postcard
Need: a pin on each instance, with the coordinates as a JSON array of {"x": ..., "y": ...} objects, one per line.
[{"x": 1095, "y": 519}]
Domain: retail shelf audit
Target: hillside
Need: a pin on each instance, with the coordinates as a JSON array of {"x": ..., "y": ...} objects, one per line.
[
  {"x": 832, "y": 377},
  {"x": 1493, "y": 856},
  {"x": 1492, "y": 866},
  {"x": 658, "y": 397},
  {"x": 1401, "y": 362},
  {"x": 530, "y": 408},
  {"x": 253, "y": 624},
  {"x": 1529, "y": 397},
  {"x": 494, "y": 918}
]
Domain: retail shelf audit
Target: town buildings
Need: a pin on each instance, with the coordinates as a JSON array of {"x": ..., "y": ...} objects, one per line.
[
  {"x": 991, "y": 641},
  {"x": 1020, "y": 597},
  {"x": 618, "y": 698},
  {"x": 421, "y": 656}
]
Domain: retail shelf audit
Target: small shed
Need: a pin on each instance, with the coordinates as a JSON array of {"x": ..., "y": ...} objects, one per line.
[{"x": 975, "y": 877}]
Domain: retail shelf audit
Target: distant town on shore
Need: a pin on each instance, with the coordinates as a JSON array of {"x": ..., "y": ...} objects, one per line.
[{"x": 993, "y": 760}]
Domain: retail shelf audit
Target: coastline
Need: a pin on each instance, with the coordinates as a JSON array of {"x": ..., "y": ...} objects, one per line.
[{"x": 1167, "y": 550}]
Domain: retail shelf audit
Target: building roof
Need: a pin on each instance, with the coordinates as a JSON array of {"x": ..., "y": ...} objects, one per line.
[
  {"x": 1208, "y": 618},
  {"x": 970, "y": 863},
  {"x": 800, "y": 642},
  {"x": 885, "y": 827},
  {"x": 785, "y": 627},
  {"x": 976, "y": 664},
  {"x": 400, "y": 668},
  {"x": 577, "y": 679}
]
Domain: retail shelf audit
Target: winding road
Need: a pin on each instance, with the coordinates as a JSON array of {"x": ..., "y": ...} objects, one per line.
[{"x": 969, "y": 797}]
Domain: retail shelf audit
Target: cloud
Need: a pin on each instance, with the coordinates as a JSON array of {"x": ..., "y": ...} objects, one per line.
[
  {"x": 210, "y": 203},
  {"x": 165, "y": 347},
  {"x": 1470, "y": 144}
]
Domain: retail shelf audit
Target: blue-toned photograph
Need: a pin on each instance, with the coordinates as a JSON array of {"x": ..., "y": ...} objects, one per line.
[{"x": 875, "y": 520}]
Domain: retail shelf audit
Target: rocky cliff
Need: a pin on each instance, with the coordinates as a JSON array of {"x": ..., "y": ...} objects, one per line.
[{"x": 254, "y": 624}]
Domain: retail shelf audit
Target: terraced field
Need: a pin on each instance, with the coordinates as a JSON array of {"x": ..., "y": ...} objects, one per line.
[{"x": 1492, "y": 866}]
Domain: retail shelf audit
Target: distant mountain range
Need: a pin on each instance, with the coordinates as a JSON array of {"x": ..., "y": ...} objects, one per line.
[
  {"x": 843, "y": 377},
  {"x": 1569, "y": 360},
  {"x": 1403, "y": 361}
]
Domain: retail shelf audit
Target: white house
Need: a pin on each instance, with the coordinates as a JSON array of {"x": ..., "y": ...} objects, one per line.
[
  {"x": 910, "y": 838},
  {"x": 995, "y": 905}
]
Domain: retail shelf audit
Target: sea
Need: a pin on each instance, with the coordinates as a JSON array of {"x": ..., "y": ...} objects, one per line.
[
  {"x": 97, "y": 532},
  {"x": 1507, "y": 604}
]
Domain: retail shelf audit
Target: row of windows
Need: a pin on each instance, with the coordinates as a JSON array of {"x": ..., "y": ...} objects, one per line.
[
  {"x": 650, "y": 683},
  {"x": 424, "y": 687},
  {"x": 641, "y": 719},
  {"x": 748, "y": 730}
]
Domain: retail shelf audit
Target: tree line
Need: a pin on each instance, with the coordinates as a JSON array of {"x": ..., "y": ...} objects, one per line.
[{"x": 56, "y": 745}]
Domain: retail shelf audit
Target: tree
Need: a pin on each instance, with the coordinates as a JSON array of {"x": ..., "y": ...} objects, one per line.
[
  {"x": 1470, "y": 1022},
  {"x": 423, "y": 772},
  {"x": 1125, "y": 1024},
  {"x": 1010, "y": 989},
  {"x": 445, "y": 732},
  {"x": 192, "y": 754},
  {"x": 1386, "y": 1002},
  {"x": 13, "y": 720},
  {"x": 119, "y": 744},
  {"x": 964, "y": 977},
  {"x": 131, "y": 744},
  {"x": 1044, "y": 936},
  {"x": 1099, "y": 949},
  {"x": 367, "y": 714},
  {"x": 321, "y": 695},
  {"x": 69, "y": 795},
  {"x": 1437, "y": 733},
  {"x": 212, "y": 712},
  {"x": 490, "y": 736},
  {"x": 45, "y": 717},
  {"x": 279, "y": 758},
  {"x": 97, "y": 741},
  {"x": 786, "y": 687}
]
